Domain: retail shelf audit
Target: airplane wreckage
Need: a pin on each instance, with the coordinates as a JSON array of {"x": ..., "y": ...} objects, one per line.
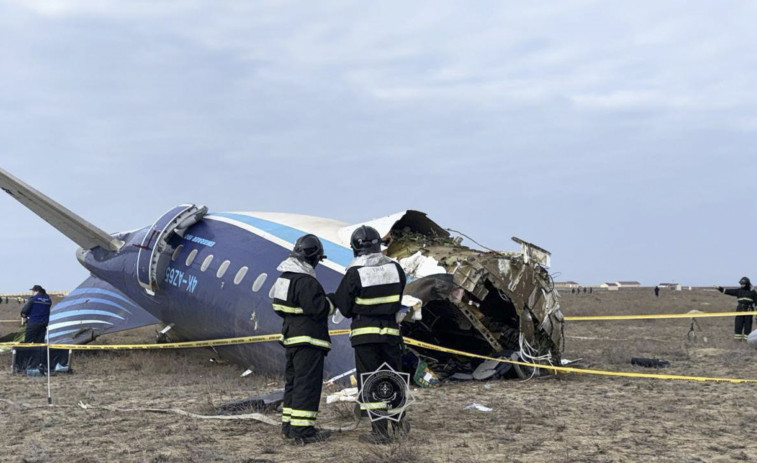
[
  {"x": 208, "y": 275},
  {"x": 489, "y": 303}
]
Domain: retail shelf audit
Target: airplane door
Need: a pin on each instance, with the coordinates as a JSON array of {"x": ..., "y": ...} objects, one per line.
[{"x": 155, "y": 242}]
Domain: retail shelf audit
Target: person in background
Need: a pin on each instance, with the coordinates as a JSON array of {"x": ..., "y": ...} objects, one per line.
[
  {"x": 36, "y": 314},
  {"x": 746, "y": 299}
]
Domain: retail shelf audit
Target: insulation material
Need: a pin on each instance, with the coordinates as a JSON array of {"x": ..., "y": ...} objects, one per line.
[{"x": 421, "y": 266}]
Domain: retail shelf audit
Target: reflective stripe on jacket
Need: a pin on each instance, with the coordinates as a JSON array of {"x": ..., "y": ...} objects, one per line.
[
  {"x": 370, "y": 294},
  {"x": 300, "y": 300},
  {"x": 745, "y": 297}
]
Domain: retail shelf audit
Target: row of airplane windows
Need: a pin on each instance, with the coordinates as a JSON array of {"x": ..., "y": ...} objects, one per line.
[{"x": 241, "y": 273}]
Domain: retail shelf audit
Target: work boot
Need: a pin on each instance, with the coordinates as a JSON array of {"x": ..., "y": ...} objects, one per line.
[
  {"x": 401, "y": 428},
  {"x": 317, "y": 435},
  {"x": 379, "y": 434},
  {"x": 285, "y": 431}
]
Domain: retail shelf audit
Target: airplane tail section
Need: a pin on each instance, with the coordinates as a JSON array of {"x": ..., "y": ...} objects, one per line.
[
  {"x": 76, "y": 228},
  {"x": 92, "y": 309}
]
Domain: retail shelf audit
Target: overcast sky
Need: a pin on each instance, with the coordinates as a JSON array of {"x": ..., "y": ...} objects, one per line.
[{"x": 618, "y": 135}]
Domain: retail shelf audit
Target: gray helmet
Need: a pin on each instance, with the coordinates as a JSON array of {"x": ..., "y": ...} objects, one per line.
[
  {"x": 365, "y": 240},
  {"x": 744, "y": 281},
  {"x": 308, "y": 248}
]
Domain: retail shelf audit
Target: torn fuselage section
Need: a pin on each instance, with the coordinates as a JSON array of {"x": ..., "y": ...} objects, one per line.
[{"x": 485, "y": 302}]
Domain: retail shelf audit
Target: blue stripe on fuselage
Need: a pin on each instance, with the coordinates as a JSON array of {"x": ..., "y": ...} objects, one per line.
[
  {"x": 58, "y": 335},
  {"x": 92, "y": 300},
  {"x": 76, "y": 313},
  {"x": 336, "y": 252},
  {"x": 106, "y": 292}
]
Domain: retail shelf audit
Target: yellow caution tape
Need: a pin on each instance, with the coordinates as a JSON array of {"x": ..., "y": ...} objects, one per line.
[
  {"x": 625, "y": 374},
  {"x": 581, "y": 318},
  {"x": 167, "y": 345},
  {"x": 413, "y": 342},
  {"x": 410, "y": 341}
]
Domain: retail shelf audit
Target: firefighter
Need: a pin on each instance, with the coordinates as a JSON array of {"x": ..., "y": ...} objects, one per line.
[
  {"x": 35, "y": 314},
  {"x": 370, "y": 294},
  {"x": 300, "y": 300},
  {"x": 746, "y": 299}
]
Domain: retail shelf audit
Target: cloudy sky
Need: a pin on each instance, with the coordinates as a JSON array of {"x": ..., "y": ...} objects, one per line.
[{"x": 618, "y": 135}]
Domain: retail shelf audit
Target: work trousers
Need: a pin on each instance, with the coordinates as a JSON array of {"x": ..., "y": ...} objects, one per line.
[
  {"x": 302, "y": 391},
  {"x": 35, "y": 332},
  {"x": 368, "y": 358},
  {"x": 743, "y": 325}
]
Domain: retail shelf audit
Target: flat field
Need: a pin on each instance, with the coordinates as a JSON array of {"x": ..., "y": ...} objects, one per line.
[{"x": 571, "y": 417}]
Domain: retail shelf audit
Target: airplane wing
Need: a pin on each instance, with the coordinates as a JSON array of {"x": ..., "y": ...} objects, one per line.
[{"x": 92, "y": 309}]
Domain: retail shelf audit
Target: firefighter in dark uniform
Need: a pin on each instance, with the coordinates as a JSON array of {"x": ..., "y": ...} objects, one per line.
[
  {"x": 370, "y": 294},
  {"x": 36, "y": 314},
  {"x": 300, "y": 300},
  {"x": 746, "y": 299}
]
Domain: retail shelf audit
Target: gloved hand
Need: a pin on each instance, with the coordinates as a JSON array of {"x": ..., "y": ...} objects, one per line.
[
  {"x": 337, "y": 317},
  {"x": 721, "y": 289},
  {"x": 23, "y": 321}
]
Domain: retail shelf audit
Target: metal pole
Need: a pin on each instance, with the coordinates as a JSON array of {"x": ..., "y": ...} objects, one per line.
[{"x": 47, "y": 341}]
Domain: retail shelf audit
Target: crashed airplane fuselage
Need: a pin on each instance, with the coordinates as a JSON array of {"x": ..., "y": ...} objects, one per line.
[{"x": 209, "y": 276}]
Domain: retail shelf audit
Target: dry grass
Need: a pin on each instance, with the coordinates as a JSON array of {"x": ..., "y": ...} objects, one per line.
[
  {"x": 395, "y": 453},
  {"x": 562, "y": 419}
]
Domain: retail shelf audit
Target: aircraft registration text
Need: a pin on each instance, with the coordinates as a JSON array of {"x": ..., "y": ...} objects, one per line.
[{"x": 181, "y": 280}]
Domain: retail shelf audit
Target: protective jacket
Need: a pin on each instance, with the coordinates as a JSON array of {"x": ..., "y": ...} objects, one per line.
[
  {"x": 746, "y": 297},
  {"x": 37, "y": 308},
  {"x": 370, "y": 294},
  {"x": 300, "y": 300}
]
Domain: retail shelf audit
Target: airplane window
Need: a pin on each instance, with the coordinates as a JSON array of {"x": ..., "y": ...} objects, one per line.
[
  {"x": 206, "y": 263},
  {"x": 176, "y": 252},
  {"x": 222, "y": 269},
  {"x": 259, "y": 283},
  {"x": 240, "y": 275},
  {"x": 191, "y": 257}
]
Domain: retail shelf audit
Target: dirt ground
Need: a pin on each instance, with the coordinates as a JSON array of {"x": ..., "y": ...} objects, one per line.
[{"x": 557, "y": 419}]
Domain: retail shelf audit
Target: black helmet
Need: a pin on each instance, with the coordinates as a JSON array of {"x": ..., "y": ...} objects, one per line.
[
  {"x": 365, "y": 240},
  {"x": 308, "y": 248},
  {"x": 744, "y": 281}
]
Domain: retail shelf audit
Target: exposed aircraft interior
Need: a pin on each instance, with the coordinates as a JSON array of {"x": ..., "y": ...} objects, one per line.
[{"x": 487, "y": 302}]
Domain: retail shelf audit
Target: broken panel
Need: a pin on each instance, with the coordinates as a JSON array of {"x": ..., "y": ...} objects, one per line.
[{"x": 485, "y": 302}]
